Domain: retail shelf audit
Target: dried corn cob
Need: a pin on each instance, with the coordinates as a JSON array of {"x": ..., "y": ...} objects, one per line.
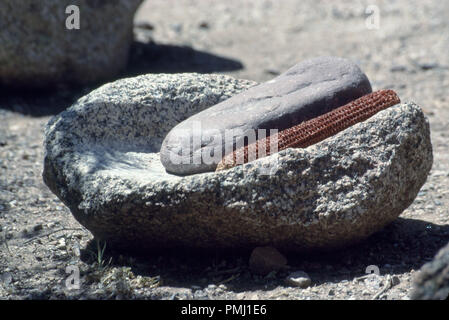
[{"x": 317, "y": 129}]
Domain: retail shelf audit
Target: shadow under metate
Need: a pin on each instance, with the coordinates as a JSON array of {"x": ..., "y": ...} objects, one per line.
[
  {"x": 144, "y": 58},
  {"x": 403, "y": 245}
]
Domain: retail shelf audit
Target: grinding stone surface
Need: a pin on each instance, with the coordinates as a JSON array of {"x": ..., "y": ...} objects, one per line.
[
  {"x": 102, "y": 160},
  {"x": 308, "y": 89}
]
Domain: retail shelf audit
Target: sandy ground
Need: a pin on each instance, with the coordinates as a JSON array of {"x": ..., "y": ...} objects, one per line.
[{"x": 405, "y": 51}]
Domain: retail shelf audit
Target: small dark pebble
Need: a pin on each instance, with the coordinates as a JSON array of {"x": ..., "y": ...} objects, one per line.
[
  {"x": 395, "y": 280},
  {"x": 144, "y": 25},
  {"x": 272, "y": 72},
  {"x": 428, "y": 66},
  {"x": 204, "y": 25},
  {"x": 398, "y": 68}
]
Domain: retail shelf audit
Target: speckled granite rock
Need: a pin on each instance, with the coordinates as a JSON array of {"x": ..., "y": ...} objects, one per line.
[
  {"x": 38, "y": 50},
  {"x": 102, "y": 160},
  {"x": 308, "y": 89},
  {"x": 432, "y": 281}
]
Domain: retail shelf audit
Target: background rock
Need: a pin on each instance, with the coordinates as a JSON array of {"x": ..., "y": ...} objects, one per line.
[
  {"x": 102, "y": 160},
  {"x": 306, "y": 90},
  {"x": 36, "y": 48},
  {"x": 264, "y": 260},
  {"x": 432, "y": 282}
]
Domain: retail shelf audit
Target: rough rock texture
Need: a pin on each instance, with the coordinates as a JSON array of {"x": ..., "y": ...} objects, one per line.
[
  {"x": 306, "y": 90},
  {"x": 102, "y": 160},
  {"x": 432, "y": 282},
  {"x": 36, "y": 48}
]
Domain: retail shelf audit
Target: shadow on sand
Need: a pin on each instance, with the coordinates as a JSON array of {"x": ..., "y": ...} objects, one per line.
[
  {"x": 144, "y": 58},
  {"x": 404, "y": 245}
]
